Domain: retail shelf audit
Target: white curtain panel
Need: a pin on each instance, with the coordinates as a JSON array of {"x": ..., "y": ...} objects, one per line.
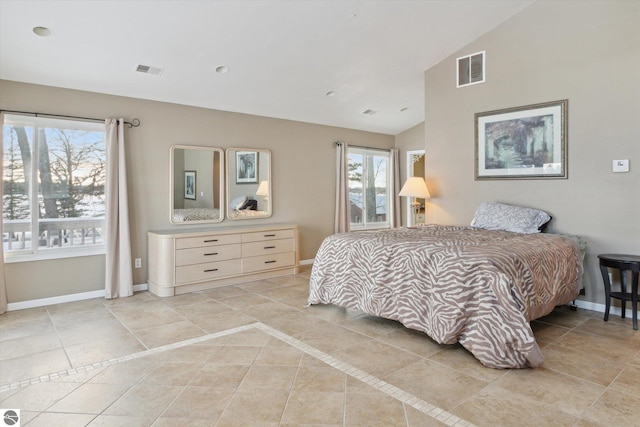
[
  {"x": 395, "y": 178},
  {"x": 341, "y": 222},
  {"x": 119, "y": 276},
  {"x": 3, "y": 282}
]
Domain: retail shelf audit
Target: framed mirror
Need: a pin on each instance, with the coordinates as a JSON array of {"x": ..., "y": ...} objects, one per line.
[
  {"x": 197, "y": 185},
  {"x": 248, "y": 183},
  {"x": 415, "y": 167}
]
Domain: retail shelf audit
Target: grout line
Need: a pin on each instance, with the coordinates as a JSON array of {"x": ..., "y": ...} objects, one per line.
[
  {"x": 105, "y": 363},
  {"x": 377, "y": 383},
  {"x": 380, "y": 385}
]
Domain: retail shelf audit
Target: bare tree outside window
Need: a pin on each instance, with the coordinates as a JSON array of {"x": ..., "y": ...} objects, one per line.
[{"x": 65, "y": 192}]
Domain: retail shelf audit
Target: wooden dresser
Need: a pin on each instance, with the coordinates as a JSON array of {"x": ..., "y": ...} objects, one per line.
[{"x": 183, "y": 261}]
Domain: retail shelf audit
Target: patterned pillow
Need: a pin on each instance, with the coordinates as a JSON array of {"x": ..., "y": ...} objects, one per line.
[{"x": 498, "y": 216}]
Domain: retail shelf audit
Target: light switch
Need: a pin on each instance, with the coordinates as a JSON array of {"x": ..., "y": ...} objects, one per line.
[{"x": 621, "y": 165}]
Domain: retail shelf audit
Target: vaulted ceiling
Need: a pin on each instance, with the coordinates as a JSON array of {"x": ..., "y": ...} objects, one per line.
[{"x": 324, "y": 62}]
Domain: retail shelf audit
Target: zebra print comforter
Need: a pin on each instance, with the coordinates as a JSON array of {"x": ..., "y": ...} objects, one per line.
[{"x": 457, "y": 284}]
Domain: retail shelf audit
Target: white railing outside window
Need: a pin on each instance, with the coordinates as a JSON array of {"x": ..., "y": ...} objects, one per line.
[{"x": 53, "y": 233}]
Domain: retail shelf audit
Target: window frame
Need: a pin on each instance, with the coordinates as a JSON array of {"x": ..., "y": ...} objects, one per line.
[
  {"x": 388, "y": 223},
  {"x": 34, "y": 252}
]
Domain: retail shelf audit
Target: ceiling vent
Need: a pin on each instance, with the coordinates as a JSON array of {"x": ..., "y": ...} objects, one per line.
[
  {"x": 146, "y": 69},
  {"x": 471, "y": 69}
]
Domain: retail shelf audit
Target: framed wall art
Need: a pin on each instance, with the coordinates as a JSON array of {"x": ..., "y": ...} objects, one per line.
[
  {"x": 246, "y": 167},
  {"x": 190, "y": 185},
  {"x": 528, "y": 142}
]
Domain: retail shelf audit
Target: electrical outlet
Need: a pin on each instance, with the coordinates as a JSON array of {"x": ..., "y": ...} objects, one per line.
[{"x": 138, "y": 263}]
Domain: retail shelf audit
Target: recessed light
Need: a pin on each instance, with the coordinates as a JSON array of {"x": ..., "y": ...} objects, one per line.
[
  {"x": 330, "y": 93},
  {"x": 42, "y": 31},
  {"x": 222, "y": 69}
]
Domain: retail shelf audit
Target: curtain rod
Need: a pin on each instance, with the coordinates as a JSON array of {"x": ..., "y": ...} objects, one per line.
[
  {"x": 132, "y": 124},
  {"x": 338, "y": 143}
]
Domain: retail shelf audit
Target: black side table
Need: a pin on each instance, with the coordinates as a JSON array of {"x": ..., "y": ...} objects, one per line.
[{"x": 622, "y": 263}]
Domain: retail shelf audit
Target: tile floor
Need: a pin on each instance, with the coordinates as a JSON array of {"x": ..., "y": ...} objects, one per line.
[{"x": 253, "y": 355}]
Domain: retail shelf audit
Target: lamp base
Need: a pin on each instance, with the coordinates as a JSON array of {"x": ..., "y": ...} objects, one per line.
[{"x": 415, "y": 208}]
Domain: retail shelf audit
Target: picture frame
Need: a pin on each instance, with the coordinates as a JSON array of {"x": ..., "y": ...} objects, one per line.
[
  {"x": 190, "y": 185},
  {"x": 528, "y": 142},
  {"x": 246, "y": 167}
]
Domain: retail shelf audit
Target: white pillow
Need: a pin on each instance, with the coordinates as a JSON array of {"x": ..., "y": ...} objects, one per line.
[
  {"x": 238, "y": 202},
  {"x": 498, "y": 216}
]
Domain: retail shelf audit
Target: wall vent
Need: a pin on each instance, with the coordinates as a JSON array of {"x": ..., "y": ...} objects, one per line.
[
  {"x": 471, "y": 69},
  {"x": 146, "y": 69}
]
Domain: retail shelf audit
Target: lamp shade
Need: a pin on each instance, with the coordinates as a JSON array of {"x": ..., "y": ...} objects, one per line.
[
  {"x": 415, "y": 186},
  {"x": 263, "y": 189}
]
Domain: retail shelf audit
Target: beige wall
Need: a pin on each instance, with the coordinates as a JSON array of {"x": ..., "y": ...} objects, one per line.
[
  {"x": 303, "y": 165},
  {"x": 586, "y": 52}
]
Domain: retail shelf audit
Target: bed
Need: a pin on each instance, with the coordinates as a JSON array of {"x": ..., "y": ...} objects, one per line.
[
  {"x": 195, "y": 214},
  {"x": 463, "y": 284},
  {"x": 246, "y": 213},
  {"x": 244, "y": 207}
]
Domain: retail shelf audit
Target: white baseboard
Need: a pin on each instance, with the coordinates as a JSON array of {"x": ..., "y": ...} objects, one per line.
[
  {"x": 600, "y": 307},
  {"x": 22, "y": 305},
  {"x": 306, "y": 262}
]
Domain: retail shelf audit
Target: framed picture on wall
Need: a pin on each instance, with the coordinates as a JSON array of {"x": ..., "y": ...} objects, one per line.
[
  {"x": 527, "y": 142},
  {"x": 246, "y": 167},
  {"x": 190, "y": 185}
]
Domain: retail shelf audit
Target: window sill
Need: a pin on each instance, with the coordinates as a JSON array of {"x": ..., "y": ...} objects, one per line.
[{"x": 54, "y": 254}]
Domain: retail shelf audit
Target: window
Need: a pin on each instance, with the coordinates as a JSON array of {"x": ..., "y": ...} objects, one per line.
[
  {"x": 369, "y": 188},
  {"x": 53, "y": 187}
]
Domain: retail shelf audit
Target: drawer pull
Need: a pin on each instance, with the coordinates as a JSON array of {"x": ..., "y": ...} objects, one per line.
[
  {"x": 212, "y": 240},
  {"x": 270, "y": 262},
  {"x": 210, "y": 270},
  {"x": 269, "y": 247},
  {"x": 269, "y": 235},
  {"x": 212, "y": 253}
]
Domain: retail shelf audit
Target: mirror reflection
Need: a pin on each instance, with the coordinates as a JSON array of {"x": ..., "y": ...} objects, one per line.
[
  {"x": 197, "y": 190},
  {"x": 416, "y": 167},
  {"x": 248, "y": 183}
]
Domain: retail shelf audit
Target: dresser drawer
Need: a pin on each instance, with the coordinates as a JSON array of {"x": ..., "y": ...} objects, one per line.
[
  {"x": 268, "y": 247},
  {"x": 267, "y": 262},
  {"x": 267, "y": 235},
  {"x": 208, "y": 271},
  {"x": 207, "y": 254},
  {"x": 213, "y": 240}
]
